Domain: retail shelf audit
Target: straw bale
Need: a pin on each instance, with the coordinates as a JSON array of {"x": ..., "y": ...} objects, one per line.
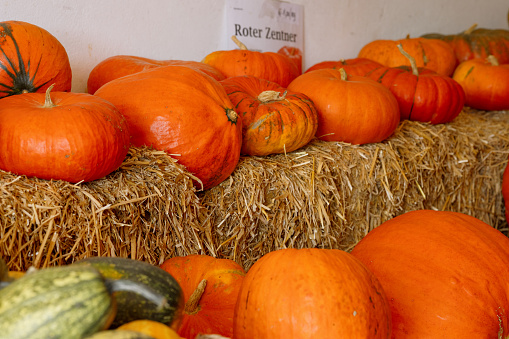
[{"x": 325, "y": 195}]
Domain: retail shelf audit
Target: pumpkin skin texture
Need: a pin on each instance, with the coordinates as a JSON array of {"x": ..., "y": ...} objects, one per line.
[
  {"x": 211, "y": 287},
  {"x": 355, "y": 66},
  {"x": 274, "y": 120},
  {"x": 181, "y": 111},
  {"x": 31, "y": 59},
  {"x": 486, "y": 83},
  {"x": 310, "y": 293},
  {"x": 352, "y": 109},
  {"x": 505, "y": 191},
  {"x": 422, "y": 94},
  {"x": 72, "y": 136},
  {"x": 477, "y": 43},
  {"x": 152, "y": 328},
  {"x": 271, "y": 66},
  {"x": 121, "y": 65},
  {"x": 433, "y": 54},
  {"x": 294, "y": 53},
  {"x": 444, "y": 273}
]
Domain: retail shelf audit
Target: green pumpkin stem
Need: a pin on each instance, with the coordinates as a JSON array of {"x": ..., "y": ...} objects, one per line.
[
  {"x": 192, "y": 304},
  {"x": 415, "y": 70},
  {"x": 47, "y": 101},
  {"x": 239, "y": 43}
]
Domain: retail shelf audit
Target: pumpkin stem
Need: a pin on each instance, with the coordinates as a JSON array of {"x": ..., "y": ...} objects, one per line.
[
  {"x": 410, "y": 58},
  {"x": 231, "y": 115},
  {"x": 344, "y": 76},
  {"x": 47, "y": 101},
  {"x": 115, "y": 285},
  {"x": 194, "y": 299},
  {"x": 471, "y": 29},
  {"x": 238, "y": 43},
  {"x": 267, "y": 96},
  {"x": 493, "y": 60}
]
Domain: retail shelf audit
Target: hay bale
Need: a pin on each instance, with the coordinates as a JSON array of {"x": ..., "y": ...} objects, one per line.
[
  {"x": 326, "y": 195},
  {"x": 330, "y": 195}
]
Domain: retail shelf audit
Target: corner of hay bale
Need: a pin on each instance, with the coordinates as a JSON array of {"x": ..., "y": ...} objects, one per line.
[{"x": 325, "y": 194}]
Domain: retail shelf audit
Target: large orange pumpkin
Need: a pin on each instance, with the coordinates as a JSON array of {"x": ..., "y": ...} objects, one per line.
[
  {"x": 274, "y": 120},
  {"x": 294, "y": 53},
  {"x": 446, "y": 274},
  {"x": 355, "y": 66},
  {"x": 505, "y": 191},
  {"x": 423, "y": 95},
  {"x": 62, "y": 136},
  {"x": 271, "y": 66},
  {"x": 121, "y": 65},
  {"x": 31, "y": 59},
  {"x": 183, "y": 112},
  {"x": 310, "y": 293},
  {"x": 486, "y": 83},
  {"x": 352, "y": 109},
  {"x": 210, "y": 287},
  {"x": 433, "y": 54}
]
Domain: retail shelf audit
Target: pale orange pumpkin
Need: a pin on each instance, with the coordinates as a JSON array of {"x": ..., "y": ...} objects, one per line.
[{"x": 154, "y": 329}]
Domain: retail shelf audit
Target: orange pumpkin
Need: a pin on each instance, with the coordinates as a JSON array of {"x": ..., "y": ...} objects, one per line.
[
  {"x": 271, "y": 66},
  {"x": 152, "y": 328},
  {"x": 210, "y": 289},
  {"x": 433, "y": 54},
  {"x": 183, "y": 112},
  {"x": 351, "y": 109},
  {"x": 294, "y": 53},
  {"x": 505, "y": 191},
  {"x": 61, "y": 136},
  {"x": 31, "y": 60},
  {"x": 310, "y": 293},
  {"x": 422, "y": 94},
  {"x": 274, "y": 120},
  {"x": 486, "y": 83},
  {"x": 121, "y": 65},
  {"x": 445, "y": 274},
  {"x": 355, "y": 66}
]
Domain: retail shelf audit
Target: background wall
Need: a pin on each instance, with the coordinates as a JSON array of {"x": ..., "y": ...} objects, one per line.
[{"x": 93, "y": 30}]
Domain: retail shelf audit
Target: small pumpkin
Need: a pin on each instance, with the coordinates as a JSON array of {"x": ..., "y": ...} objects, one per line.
[
  {"x": 433, "y": 54},
  {"x": 294, "y": 53},
  {"x": 154, "y": 329},
  {"x": 271, "y": 66},
  {"x": 423, "y": 95},
  {"x": 310, "y": 293},
  {"x": 354, "y": 66},
  {"x": 274, "y": 119},
  {"x": 485, "y": 82},
  {"x": 121, "y": 65},
  {"x": 352, "y": 109},
  {"x": 210, "y": 286},
  {"x": 31, "y": 60},
  {"x": 61, "y": 136},
  {"x": 183, "y": 112},
  {"x": 445, "y": 274},
  {"x": 476, "y": 43}
]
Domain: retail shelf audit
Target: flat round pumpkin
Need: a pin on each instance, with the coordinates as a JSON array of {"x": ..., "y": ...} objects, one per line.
[{"x": 183, "y": 112}]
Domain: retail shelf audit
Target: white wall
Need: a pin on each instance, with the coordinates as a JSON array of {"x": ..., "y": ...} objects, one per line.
[{"x": 93, "y": 30}]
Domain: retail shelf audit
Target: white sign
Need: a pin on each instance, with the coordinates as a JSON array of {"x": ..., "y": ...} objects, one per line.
[{"x": 266, "y": 25}]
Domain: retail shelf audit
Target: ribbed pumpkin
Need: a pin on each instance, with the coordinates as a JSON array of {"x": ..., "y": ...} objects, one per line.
[
  {"x": 486, "y": 83},
  {"x": 121, "y": 65},
  {"x": 31, "y": 60},
  {"x": 183, "y": 112},
  {"x": 274, "y": 120},
  {"x": 211, "y": 287},
  {"x": 477, "y": 43},
  {"x": 352, "y": 109},
  {"x": 433, "y": 54},
  {"x": 445, "y": 274},
  {"x": 505, "y": 191},
  {"x": 294, "y": 53},
  {"x": 422, "y": 94},
  {"x": 61, "y": 136},
  {"x": 271, "y": 66},
  {"x": 355, "y": 66},
  {"x": 310, "y": 293}
]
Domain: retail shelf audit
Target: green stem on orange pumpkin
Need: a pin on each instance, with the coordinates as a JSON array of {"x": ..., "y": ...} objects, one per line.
[
  {"x": 415, "y": 70},
  {"x": 470, "y": 30},
  {"x": 267, "y": 96},
  {"x": 344, "y": 76},
  {"x": 493, "y": 60},
  {"x": 239, "y": 43},
  {"x": 192, "y": 304},
  {"x": 47, "y": 101}
]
